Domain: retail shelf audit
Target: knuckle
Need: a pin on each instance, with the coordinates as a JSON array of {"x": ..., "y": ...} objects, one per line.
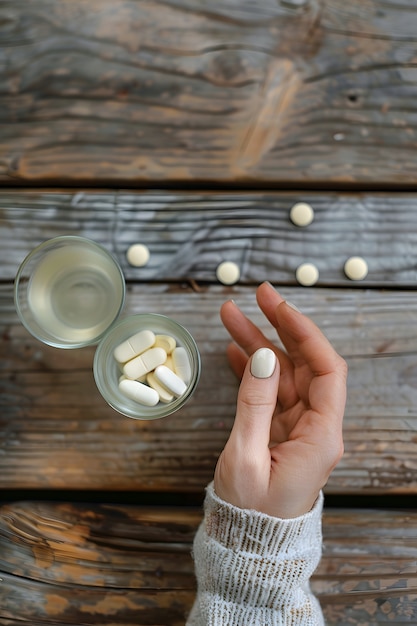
[
  {"x": 254, "y": 400},
  {"x": 254, "y": 405},
  {"x": 342, "y": 366}
]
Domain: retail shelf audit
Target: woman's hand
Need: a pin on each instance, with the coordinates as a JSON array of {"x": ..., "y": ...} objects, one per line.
[{"x": 287, "y": 434}]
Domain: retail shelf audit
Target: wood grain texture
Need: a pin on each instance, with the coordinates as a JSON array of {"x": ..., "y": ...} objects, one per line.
[
  {"x": 130, "y": 92},
  {"x": 189, "y": 234},
  {"x": 57, "y": 432},
  {"x": 54, "y": 424},
  {"x": 113, "y": 564}
]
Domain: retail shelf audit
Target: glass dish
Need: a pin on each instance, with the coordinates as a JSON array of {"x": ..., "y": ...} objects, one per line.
[{"x": 107, "y": 371}]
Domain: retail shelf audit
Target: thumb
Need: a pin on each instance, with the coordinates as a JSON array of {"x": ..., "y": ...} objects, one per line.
[{"x": 256, "y": 402}]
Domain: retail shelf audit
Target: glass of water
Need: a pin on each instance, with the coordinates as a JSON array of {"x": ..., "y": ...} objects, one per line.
[{"x": 68, "y": 292}]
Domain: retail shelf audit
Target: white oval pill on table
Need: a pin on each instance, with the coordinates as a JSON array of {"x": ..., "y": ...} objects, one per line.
[
  {"x": 356, "y": 268},
  {"x": 144, "y": 363},
  {"x": 170, "y": 380},
  {"x": 301, "y": 214},
  {"x": 138, "y": 255},
  {"x": 134, "y": 345},
  {"x": 181, "y": 364},
  {"x": 228, "y": 273},
  {"x": 138, "y": 392},
  {"x": 307, "y": 274}
]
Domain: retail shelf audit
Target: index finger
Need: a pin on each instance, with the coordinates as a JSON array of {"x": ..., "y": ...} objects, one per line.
[
  {"x": 246, "y": 334},
  {"x": 250, "y": 338}
]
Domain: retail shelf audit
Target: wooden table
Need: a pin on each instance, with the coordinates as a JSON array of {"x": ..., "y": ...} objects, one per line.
[{"x": 193, "y": 128}]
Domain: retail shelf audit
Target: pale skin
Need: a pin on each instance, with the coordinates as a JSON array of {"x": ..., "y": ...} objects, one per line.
[{"x": 287, "y": 434}]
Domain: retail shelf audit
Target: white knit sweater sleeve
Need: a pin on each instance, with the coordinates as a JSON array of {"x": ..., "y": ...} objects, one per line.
[{"x": 253, "y": 569}]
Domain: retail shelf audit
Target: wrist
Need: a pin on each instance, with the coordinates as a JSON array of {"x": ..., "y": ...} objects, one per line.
[
  {"x": 292, "y": 506},
  {"x": 283, "y": 502},
  {"x": 253, "y": 531}
]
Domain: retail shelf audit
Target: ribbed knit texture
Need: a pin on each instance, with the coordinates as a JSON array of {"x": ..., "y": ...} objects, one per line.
[{"x": 253, "y": 569}]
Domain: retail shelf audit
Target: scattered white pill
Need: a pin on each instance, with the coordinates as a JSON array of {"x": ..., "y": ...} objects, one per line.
[
  {"x": 166, "y": 342},
  {"x": 301, "y": 214},
  {"x": 144, "y": 363},
  {"x": 133, "y": 346},
  {"x": 170, "y": 380},
  {"x": 181, "y": 364},
  {"x": 356, "y": 268},
  {"x": 228, "y": 273},
  {"x": 138, "y": 392},
  {"x": 307, "y": 274},
  {"x": 138, "y": 255},
  {"x": 163, "y": 393}
]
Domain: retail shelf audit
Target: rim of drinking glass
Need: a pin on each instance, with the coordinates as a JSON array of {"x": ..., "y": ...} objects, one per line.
[{"x": 25, "y": 263}]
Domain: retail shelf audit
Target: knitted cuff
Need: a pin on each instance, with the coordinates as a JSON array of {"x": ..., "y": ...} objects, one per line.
[
  {"x": 249, "y": 531},
  {"x": 254, "y": 569}
]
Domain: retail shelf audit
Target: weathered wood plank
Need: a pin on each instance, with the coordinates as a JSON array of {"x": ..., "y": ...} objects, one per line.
[
  {"x": 57, "y": 432},
  {"x": 113, "y": 564},
  {"x": 132, "y": 92},
  {"x": 189, "y": 234}
]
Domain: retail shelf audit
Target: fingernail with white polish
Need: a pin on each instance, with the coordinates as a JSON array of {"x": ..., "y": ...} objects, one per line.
[
  {"x": 292, "y": 306},
  {"x": 263, "y": 363}
]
